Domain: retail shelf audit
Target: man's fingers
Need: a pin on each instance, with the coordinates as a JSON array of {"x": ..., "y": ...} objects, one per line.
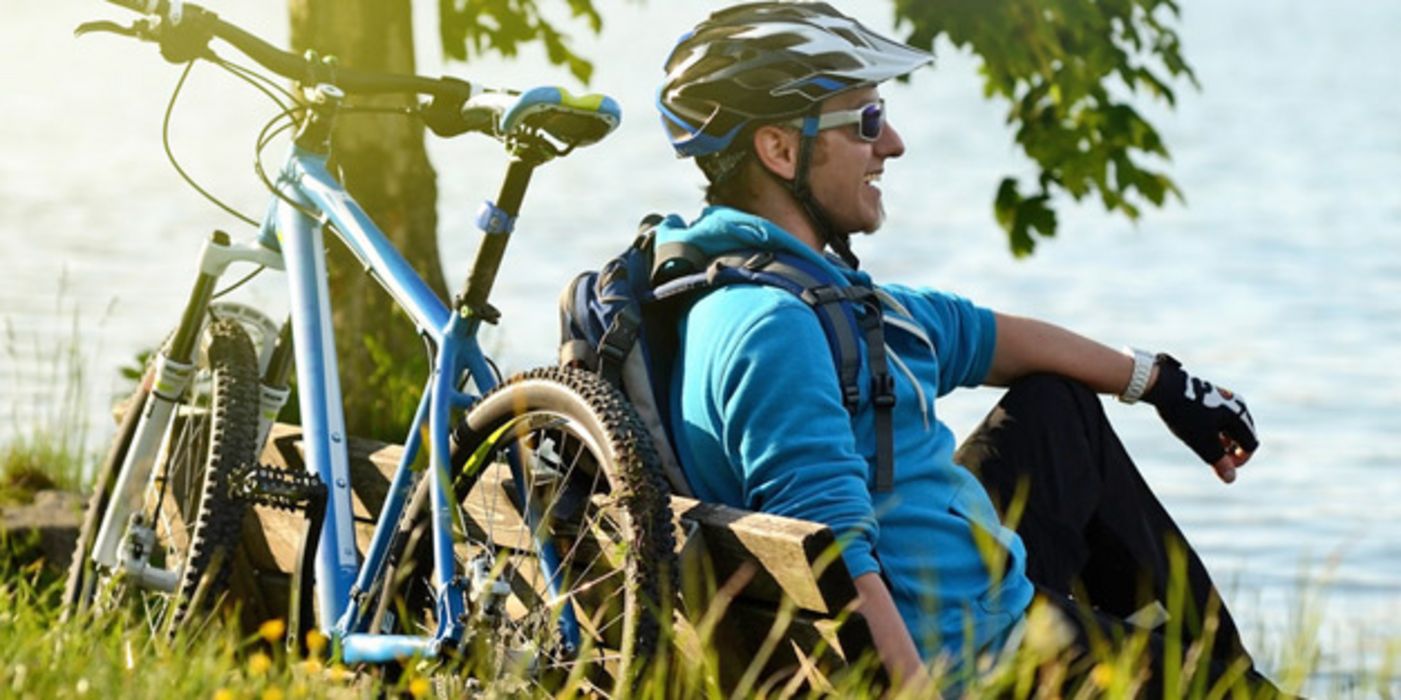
[
  {"x": 1225, "y": 469},
  {"x": 1236, "y": 452},
  {"x": 1246, "y": 438}
]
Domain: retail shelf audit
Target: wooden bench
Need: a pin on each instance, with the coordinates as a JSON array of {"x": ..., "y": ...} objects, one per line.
[{"x": 768, "y": 596}]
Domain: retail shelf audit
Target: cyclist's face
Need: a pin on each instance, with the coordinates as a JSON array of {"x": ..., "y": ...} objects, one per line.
[{"x": 846, "y": 167}]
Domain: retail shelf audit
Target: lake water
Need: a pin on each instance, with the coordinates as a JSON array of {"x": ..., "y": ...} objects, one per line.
[{"x": 1280, "y": 277}]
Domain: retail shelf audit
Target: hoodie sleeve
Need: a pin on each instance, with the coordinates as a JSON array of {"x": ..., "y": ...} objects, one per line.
[
  {"x": 964, "y": 334},
  {"x": 765, "y": 399}
]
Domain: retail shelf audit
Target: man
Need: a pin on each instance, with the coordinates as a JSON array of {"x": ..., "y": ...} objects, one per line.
[{"x": 780, "y": 105}]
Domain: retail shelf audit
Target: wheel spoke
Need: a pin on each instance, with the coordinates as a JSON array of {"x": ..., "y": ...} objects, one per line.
[{"x": 563, "y": 491}]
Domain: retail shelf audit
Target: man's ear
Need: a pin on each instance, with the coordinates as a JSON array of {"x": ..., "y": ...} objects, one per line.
[{"x": 776, "y": 148}]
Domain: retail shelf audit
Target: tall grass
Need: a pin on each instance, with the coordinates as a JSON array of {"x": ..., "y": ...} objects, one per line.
[
  {"x": 1042, "y": 667},
  {"x": 115, "y": 655},
  {"x": 47, "y": 441}
]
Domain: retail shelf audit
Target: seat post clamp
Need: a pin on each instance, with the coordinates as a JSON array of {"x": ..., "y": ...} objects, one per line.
[{"x": 494, "y": 220}]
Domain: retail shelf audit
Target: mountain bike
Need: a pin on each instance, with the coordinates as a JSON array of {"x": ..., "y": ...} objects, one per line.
[{"x": 526, "y": 527}]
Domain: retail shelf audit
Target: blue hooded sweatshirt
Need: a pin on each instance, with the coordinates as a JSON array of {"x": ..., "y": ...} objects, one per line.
[{"x": 759, "y": 424}]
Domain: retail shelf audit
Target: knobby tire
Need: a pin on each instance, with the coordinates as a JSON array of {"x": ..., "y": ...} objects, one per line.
[
  {"x": 607, "y": 478},
  {"x": 203, "y": 448}
]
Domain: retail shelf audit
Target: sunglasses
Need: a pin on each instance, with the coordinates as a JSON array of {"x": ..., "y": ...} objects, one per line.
[{"x": 869, "y": 120}]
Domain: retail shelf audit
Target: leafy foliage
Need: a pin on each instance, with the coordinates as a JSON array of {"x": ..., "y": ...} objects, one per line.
[
  {"x": 474, "y": 27},
  {"x": 1068, "y": 69}
]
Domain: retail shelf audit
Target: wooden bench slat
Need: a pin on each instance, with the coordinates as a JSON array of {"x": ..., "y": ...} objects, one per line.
[
  {"x": 788, "y": 550},
  {"x": 763, "y": 557}
]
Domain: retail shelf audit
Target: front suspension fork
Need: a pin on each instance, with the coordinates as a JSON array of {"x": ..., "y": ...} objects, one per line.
[{"x": 169, "y": 378}]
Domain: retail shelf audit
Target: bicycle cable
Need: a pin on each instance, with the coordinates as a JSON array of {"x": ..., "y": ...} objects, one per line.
[
  {"x": 170, "y": 153},
  {"x": 265, "y": 137},
  {"x": 264, "y": 84},
  {"x": 246, "y": 278},
  {"x": 270, "y": 90},
  {"x": 272, "y": 129}
]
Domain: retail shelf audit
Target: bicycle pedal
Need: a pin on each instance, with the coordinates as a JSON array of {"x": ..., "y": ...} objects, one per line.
[{"x": 277, "y": 488}]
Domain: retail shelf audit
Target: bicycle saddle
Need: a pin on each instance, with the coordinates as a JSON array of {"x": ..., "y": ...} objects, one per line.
[{"x": 574, "y": 120}]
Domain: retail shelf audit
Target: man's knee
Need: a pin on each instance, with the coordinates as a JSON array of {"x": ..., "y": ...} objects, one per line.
[{"x": 1049, "y": 394}]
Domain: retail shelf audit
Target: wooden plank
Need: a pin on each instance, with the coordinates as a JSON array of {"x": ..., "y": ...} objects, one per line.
[
  {"x": 796, "y": 558},
  {"x": 747, "y": 562}
]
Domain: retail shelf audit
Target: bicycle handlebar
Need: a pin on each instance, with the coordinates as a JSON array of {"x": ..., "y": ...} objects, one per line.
[{"x": 186, "y": 29}]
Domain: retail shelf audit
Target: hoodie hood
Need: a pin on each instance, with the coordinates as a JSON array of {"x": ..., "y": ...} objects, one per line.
[{"x": 720, "y": 230}]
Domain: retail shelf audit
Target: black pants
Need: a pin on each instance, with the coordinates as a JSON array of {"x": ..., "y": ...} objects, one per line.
[{"x": 1099, "y": 544}]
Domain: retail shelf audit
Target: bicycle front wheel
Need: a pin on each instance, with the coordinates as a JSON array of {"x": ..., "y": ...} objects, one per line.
[
  {"x": 558, "y": 461},
  {"x": 187, "y": 525}
]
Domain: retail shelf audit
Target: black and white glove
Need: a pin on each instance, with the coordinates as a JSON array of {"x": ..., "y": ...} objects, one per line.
[{"x": 1213, "y": 421}]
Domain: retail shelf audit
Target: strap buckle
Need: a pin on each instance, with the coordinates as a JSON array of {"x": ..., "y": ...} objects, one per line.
[
  {"x": 883, "y": 390},
  {"x": 826, "y": 294}
]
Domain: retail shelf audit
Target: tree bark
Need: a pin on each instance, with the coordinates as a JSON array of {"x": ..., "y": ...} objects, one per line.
[{"x": 383, "y": 164}]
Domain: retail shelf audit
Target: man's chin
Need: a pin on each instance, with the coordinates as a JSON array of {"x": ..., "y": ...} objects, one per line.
[{"x": 880, "y": 221}]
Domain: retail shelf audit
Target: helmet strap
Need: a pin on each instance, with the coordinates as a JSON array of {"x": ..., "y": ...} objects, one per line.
[{"x": 840, "y": 243}]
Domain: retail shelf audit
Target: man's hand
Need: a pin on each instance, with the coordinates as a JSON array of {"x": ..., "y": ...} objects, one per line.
[{"x": 1214, "y": 422}]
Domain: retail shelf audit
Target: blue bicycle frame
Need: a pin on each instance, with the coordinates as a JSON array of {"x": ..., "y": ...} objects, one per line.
[
  {"x": 536, "y": 126},
  {"x": 306, "y": 187}
]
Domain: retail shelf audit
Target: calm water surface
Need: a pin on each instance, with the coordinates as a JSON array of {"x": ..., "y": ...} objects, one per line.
[{"x": 1280, "y": 277}]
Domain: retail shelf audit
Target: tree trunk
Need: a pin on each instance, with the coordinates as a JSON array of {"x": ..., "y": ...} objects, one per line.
[{"x": 383, "y": 163}]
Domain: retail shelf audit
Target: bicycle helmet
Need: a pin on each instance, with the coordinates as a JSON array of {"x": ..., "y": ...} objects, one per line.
[{"x": 765, "y": 62}]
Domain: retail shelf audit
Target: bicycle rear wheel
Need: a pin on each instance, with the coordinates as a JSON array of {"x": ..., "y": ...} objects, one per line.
[
  {"x": 187, "y": 522},
  {"x": 588, "y": 484}
]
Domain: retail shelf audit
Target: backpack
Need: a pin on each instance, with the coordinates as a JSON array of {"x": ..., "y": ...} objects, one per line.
[{"x": 620, "y": 321}]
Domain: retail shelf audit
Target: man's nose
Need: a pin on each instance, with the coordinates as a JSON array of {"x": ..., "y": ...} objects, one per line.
[{"x": 890, "y": 145}]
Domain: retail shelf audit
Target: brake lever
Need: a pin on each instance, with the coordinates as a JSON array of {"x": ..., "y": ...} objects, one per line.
[{"x": 140, "y": 29}]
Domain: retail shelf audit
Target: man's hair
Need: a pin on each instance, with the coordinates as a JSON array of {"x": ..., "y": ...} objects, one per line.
[
  {"x": 730, "y": 185},
  {"x": 728, "y": 173}
]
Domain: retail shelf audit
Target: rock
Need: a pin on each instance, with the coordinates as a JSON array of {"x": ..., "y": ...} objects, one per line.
[{"x": 56, "y": 516}]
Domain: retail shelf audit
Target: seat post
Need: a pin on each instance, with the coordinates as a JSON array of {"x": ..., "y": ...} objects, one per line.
[{"x": 496, "y": 220}]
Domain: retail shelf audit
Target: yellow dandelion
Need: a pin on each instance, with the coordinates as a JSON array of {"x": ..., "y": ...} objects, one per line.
[
  {"x": 273, "y": 694},
  {"x": 339, "y": 673},
  {"x": 259, "y": 663},
  {"x": 223, "y": 694},
  {"x": 419, "y": 687},
  {"x": 1102, "y": 675},
  {"x": 312, "y": 666},
  {"x": 315, "y": 642},
  {"x": 272, "y": 630}
]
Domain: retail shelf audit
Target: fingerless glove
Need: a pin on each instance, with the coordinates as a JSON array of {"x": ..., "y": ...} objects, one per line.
[{"x": 1199, "y": 413}]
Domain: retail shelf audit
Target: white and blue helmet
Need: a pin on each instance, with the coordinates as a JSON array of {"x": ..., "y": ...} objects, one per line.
[{"x": 767, "y": 61}]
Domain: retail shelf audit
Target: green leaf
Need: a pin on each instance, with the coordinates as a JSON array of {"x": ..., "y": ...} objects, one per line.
[
  {"x": 1051, "y": 62},
  {"x": 469, "y": 28},
  {"x": 1021, "y": 217}
]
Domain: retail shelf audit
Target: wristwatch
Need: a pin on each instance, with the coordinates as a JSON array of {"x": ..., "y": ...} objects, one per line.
[{"x": 1138, "y": 382}]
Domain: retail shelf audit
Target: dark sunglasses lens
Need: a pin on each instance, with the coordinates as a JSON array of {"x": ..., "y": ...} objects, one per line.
[{"x": 872, "y": 120}]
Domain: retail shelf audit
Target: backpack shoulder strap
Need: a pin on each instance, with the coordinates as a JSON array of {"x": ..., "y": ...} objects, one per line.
[{"x": 835, "y": 306}]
